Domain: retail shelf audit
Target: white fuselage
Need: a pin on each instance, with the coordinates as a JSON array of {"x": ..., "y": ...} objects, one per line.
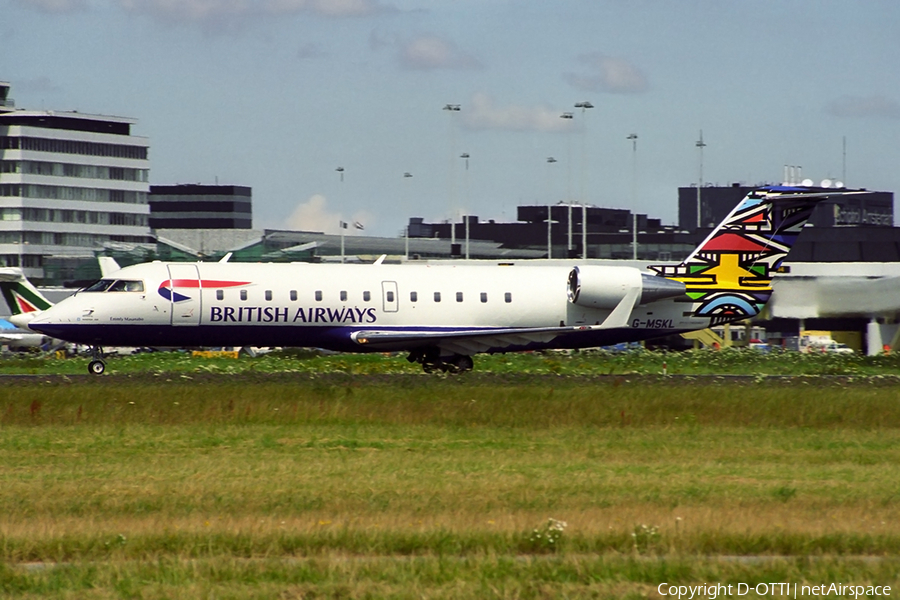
[{"x": 322, "y": 305}]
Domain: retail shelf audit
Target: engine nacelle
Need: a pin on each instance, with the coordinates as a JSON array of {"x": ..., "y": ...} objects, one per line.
[
  {"x": 595, "y": 286},
  {"x": 601, "y": 287}
]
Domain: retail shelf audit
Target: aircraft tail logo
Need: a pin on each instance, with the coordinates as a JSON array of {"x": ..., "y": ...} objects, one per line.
[
  {"x": 20, "y": 296},
  {"x": 729, "y": 276}
]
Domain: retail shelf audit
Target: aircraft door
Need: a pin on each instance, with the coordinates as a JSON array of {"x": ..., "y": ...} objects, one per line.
[
  {"x": 389, "y": 295},
  {"x": 184, "y": 294}
]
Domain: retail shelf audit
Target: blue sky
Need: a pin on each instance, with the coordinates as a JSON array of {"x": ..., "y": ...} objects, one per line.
[{"x": 276, "y": 94}]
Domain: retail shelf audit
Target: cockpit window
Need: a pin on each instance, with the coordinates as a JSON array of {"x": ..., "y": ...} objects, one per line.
[
  {"x": 99, "y": 286},
  {"x": 126, "y": 285},
  {"x": 113, "y": 285}
]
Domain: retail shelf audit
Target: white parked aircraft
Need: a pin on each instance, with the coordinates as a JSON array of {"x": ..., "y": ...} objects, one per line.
[
  {"x": 441, "y": 314},
  {"x": 14, "y": 337}
]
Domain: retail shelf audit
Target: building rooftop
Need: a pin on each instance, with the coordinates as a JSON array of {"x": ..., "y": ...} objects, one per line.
[
  {"x": 68, "y": 120},
  {"x": 197, "y": 189}
]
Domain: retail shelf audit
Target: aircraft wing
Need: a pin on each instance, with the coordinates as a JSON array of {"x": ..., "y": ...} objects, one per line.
[
  {"x": 465, "y": 341},
  {"x": 473, "y": 341},
  {"x": 18, "y": 339}
]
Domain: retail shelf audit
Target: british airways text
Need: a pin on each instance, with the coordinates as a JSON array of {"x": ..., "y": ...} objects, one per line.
[{"x": 271, "y": 314}]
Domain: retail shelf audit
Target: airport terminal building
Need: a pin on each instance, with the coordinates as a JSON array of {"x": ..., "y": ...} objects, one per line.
[
  {"x": 70, "y": 183},
  {"x": 852, "y": 228}
]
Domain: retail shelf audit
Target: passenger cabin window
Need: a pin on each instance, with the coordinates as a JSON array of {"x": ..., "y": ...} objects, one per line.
[
  {"x": 390, "y": 296},
  {"x": 459, "y": 296},
  {"x": 437, "y": 296},
  {"x": 367, "y": 296},
  {"x": 343, "y": 296},
  {"x": 484, "y": 296},
  {"x": 293, "y": 295},
  {"x": 318, "y": 295},
  {"x": 243, "y": 294},
  {"x": 220, "y": 294},
  {"x": 269, "y": 295},
  {"x": 508, "y": 297},
  {"x": 414, "y": 296}
]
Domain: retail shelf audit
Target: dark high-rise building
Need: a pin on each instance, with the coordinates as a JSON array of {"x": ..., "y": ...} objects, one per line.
[{"x": 194, "y": 206}]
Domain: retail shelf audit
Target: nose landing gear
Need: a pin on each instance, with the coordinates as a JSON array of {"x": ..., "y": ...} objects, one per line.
[{"x": 96, "y": 366}]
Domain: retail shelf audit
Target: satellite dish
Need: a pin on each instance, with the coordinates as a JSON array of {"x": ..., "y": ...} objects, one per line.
[{"x": 807, "y": 183}]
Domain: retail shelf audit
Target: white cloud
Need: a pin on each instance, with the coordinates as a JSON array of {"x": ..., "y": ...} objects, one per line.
[
  {"x": 314, "y": 215},
  {"x": 212, "y": 13},
  {"x": 327, "y": 8},
  {"x": 54, "y": 6},
  {"x": 232, "y": 14},
  {"x": 429, "y": 52},
  {"x": 880, "y": 107},
  {"x": 482, "y": 114},
  {"x": 608, "y": 74}
]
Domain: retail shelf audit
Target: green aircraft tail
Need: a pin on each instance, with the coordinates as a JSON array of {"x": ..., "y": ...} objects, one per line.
[{"x": 20, "y": 295}]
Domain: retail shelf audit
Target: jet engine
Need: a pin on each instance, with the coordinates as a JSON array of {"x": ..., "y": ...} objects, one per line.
[{"x": 604, "y": 287}]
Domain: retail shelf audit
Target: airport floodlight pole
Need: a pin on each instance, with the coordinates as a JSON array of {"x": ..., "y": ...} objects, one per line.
[
  {"x": 341, "y": 223},
  {"x": 844, "y": 160},
  {"x": 550, "y": 162},
  {"x": 583, "y": 106},
  {"x": 465, "y": 156},
  {"x": 452, "y": 109},
  {"x": 700, "y": 145},
  {"x": 634, "y": 243},
  {"x": 569, "y": 116},
  {"x": 407, "y": 175}
]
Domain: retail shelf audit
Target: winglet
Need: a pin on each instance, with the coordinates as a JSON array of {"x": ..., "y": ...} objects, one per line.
[{"x": 108, "y": 265}]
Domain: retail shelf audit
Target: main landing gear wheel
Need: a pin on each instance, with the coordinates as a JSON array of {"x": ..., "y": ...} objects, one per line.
[
  {"x": 431, "y": 361},
  {"x": 96, "y": 366},
  {"x": 459, "y": 363}
]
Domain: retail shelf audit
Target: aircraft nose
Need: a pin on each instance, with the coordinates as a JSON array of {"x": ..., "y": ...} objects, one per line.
[
  {"x": 38, "y": 323},
  {"x": 45, "y": 321}
]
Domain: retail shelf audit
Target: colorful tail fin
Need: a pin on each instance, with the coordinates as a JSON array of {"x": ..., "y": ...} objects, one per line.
[
  {"x": 22, "y": 298},
  {"x": 729, "y": 276}
]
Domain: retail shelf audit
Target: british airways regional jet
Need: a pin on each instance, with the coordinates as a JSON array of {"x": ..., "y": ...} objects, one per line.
[{"x": 441, "y": 314}]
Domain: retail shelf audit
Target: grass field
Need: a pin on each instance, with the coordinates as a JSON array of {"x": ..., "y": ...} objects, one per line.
[
  {"x": 592, "y": 362},
  {"x": 198, "y": 483}
]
